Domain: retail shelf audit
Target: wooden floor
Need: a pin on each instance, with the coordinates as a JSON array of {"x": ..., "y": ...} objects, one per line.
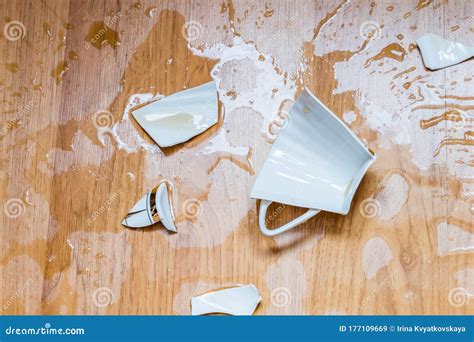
[{"x": 73, "y": 161}]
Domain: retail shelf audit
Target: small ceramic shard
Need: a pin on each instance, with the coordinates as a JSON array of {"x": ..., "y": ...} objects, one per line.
[
  {"x": 154, "y": 207},
  {"x": 240, "y": 300},
  {"x": 439, "y": 53},
  {"x": 181, "y": 116}
]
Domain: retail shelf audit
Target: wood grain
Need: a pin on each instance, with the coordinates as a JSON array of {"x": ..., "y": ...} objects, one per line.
[{"x": 73, "y": 162}]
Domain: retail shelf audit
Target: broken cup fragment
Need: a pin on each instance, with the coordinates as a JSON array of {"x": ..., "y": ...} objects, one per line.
[
  {"x": 438, "y": 53},
  {"x": 181, "y": 116},
  {"x": 316, "y": 162},
  {"x": 154, "y": 207},
  {"x": 241, "y": 300}
]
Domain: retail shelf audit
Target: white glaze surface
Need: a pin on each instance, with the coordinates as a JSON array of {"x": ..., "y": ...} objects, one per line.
[
  {"x": 439, "y": 53},
  {"x": 316, "y": 161},
  {"x": 241, "y": 300},
  {"x": 181, "y": 116}
]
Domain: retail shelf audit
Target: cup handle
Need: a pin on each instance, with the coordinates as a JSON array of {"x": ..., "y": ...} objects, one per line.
[{"x": 264, "y": 204}]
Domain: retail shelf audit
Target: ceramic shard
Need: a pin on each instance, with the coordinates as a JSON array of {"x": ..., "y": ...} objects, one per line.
[
  {"x": 439, "y": 53},
  {"x": 154, "y": 207},
  {"x": 181, "y": 116},
  {"x": 240, "y": 300}
]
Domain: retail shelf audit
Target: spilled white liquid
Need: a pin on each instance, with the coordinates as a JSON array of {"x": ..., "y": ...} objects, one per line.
[
  {"x": 29, "y": 218},
  {"x": 263, "y": 92},
  {"x": 23, "y": 289},
  {"x": 349, "y": 117},
  {"x": 388, "y": 101},
  {"x": 83, "y": 152},
  {"x": 376, "y": 255},
  {"x": 124, "y": 133},
  {"x": 100, "y": 263},
  {"x": 454, "y": 239},
  {"x": 392, "y": 197},
  {"x": 465, "y": 279}
]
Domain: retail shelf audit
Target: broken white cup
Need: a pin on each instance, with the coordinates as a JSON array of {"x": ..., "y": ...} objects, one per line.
[
  {"x": 241, "y": 300},
  {"x": 154, "y": 207},
  {"x": 316, "y": 162},
  {"x": 181, "y": 116},
  {"x": 439, "y": 53}
]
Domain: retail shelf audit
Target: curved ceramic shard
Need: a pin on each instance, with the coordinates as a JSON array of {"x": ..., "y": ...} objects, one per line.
[
  {"x": 181, "y": 116},
  {"x": 439, "y": 53},
  {"x": 241, "y": 300},
  {"x": 154, "y": 207},
  {"x": 316, "y": 162}
]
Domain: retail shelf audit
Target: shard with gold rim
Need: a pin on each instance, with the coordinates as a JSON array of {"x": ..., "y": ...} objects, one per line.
[{"x": 156, "y": 206}]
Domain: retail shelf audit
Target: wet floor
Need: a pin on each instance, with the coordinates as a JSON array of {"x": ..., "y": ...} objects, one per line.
[{"x": 74, "y": 160}]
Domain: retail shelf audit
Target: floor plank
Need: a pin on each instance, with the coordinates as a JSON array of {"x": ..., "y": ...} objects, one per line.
[{"x": 74, "y": 162}]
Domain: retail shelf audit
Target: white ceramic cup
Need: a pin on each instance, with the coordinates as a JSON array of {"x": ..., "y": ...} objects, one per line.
[{"x": 316, "y": 162}]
